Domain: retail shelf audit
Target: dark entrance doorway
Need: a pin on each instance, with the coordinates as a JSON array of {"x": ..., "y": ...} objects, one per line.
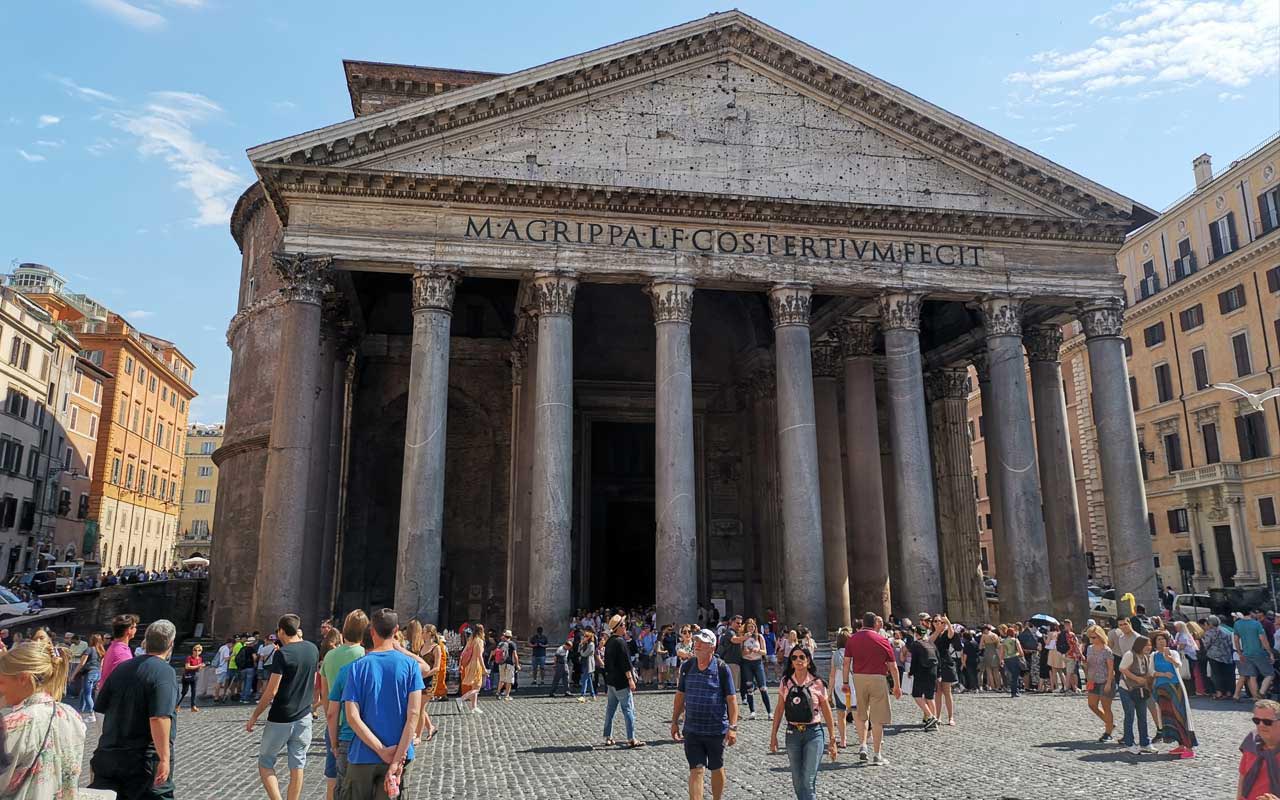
[
  {"x": 1226, "y": 554},
  {"x": 622, "y": 521}
]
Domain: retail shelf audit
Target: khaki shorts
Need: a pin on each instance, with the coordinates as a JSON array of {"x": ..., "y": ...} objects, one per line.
[{"x": 872, "y": 692}]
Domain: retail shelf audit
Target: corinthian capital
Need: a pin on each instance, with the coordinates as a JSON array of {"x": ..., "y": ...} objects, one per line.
[
  {"x": 1102, "y": 318},
  {"x": 790, "y": 303},
  {"x": 980, "y": 360},
  {"x": 946, "y": 384},
  {"x": 1043, "y": 343},
  {"x": 552, "y": 293},
  {"x": 826, "y": 359},
  {"x": 672, "y": 300},
  {"x": 434, "y": 287},
  {"x": 303, "y": 276},
  {"x": 857, "y": 337},
  {"x": 1002, "y": 315},
  {"x": 900, "y": 312}
]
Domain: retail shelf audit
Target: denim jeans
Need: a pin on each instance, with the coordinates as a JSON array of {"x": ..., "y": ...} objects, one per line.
[
  {"x": 538, "y": 675},
  {"x": 1134, "y": 707},
  {"x": 804, "y": 751},
  {"x": 86, "y": 693},
  {"x": 246, "y": 689},
  {"x": 1013, "y": 669},
  {"x": 588, "y": 683},
  {"x": 620, "y": 698},
  {"x": 752, "y": 679}
]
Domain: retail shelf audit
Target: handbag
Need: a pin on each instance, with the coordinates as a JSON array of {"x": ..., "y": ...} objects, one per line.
[{"x": 1184, "y": 668}]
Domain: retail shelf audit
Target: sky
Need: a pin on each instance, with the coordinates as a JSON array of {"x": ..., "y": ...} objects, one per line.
[{"x": 124, "y": 123}]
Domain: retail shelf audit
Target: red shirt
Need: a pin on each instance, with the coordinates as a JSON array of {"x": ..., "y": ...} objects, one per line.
[{"x": 871, "y": 653}]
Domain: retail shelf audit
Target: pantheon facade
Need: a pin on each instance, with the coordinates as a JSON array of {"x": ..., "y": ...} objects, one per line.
[{"x": 685, "y": 319}]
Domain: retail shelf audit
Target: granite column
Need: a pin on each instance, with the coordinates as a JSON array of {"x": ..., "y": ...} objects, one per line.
[
  {"x": 676, "y": 515},
  {"x": 1024, "y": 566},
  {"x": 867, "y": 544},
  {"x": 798, "y": 458},
  {"x": 283, "y": 543},
  {"x": 551, "y": 500},
  {"x": 948, "y": 391},
  {"x": 1068, "y": 567},
  {"x": 422, "y": 484},
  {"x": 1132, "y": 562},
  {"x": 920, "y": 587},
  {"x": 835, "y": 554}
]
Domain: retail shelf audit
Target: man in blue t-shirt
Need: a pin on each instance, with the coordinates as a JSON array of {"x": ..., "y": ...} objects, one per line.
[
  {"x": 1255, "y": 653},
  {"x": 707, "y": 699},
  {"x": 382, "y": 699}
]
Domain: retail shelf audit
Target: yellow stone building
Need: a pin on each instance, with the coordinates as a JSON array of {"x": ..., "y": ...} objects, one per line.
[{"x": 199, "y": 491}]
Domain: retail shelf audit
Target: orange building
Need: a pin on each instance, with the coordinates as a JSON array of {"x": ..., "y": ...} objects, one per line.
[{"x": 136, "y": 473}]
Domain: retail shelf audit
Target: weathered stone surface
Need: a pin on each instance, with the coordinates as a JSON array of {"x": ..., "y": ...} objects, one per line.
[
  {"x": 835, "y": 556},
  {"x": 720, "y": 127}
]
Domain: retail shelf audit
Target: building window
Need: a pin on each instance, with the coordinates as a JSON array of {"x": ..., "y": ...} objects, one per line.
[
  {"x": 128, "y": 365},
  {"x": 206, "y": 472},
  {"x": 1240, "y": 346},
  {"x": 1269, "y": 210},
  {"x": 82, "y": 510},
  {"x": 142, "y": 376},
  {"x": 1192, "y": 317},
  {"x": 1151, "y": 523},
  {"x": 1209, "y": 432},
  {"x": 1128, "y": 347},
  {"x": 160, "y": 433},
  {"x": 1266, "y": 511},
  {"x": 1133, "y": 392},
  {"x": 115, "y": 470},
  {"x": 153, "y": 383},
  {"x": 128, "y": 477},
  {"x": 1251, "y": 434},
  {"x": 977, "y": 492},
  {"x": 173, "y": 487},
  {"x": 1185, "y": 264},
  {"x": 1164, "y": 384},
  {"x": 202, "y": 495},
  {"x": 1173, "y": 452},
  {"x": 1222, "y": 235},
  {"x": 206, "y": 448},
  {"x": 164, "y": 393},
  {"x": 155, "y": 480},
  {"x": 1150, "y": 283},
  {"x": 16, "y": 404},
  {"x": 1178, "y": 520},
  {"x": 1201, "y": 368},
  {"x": 1273, "y": 279},
  {"x": 1231, "y": 299},
  {"x": 93, "y": 425},
  {"x": 75, "y": 417},
  {"x": 1154, "y": 334},
  {"x": 970, "y": 428}
]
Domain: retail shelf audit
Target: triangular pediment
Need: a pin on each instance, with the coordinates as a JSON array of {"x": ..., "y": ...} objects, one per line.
[{"x": 724, "y": 104}]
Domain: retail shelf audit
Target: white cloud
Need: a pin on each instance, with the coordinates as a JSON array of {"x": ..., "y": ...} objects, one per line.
[
  {"x": 46, "y": 120},
  {"x": 1224, "y": 97},
  {"x": 1228, "y": 42},
  {"x": 165, "y": 128},
  {"x": 32, "y": 157},
  {"x": 50, "y": 142},
  {"x": 84, "y": 92},
  {"x": 100, "y": 146},
  {"x": 139, "y": 313},
  {"x": 129, "y": 14}
]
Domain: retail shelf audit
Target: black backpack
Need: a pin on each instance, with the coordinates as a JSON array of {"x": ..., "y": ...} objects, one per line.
[
  {"x": 244, "y": 658},
  {"x": 799, "y": 703}
]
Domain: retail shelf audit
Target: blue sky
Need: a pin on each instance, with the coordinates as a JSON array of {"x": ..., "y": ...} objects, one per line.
[{"x": 124, "y": 122}]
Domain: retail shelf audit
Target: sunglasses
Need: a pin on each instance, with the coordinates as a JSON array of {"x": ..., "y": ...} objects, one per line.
[
  {"x": 1264, "y": 722},
  {"x": 799, "y": 657}
]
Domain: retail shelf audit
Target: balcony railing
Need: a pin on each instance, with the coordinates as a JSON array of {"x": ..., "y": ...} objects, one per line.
[{"x": 1207, "y": 476}]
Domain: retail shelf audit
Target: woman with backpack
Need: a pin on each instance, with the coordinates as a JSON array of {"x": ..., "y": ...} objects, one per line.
[{"x": 802, "y": 701}]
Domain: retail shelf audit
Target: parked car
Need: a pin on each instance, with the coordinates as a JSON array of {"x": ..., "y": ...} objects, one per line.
[
  {"x": 68, "y": 572},
  {"x": 1105, "y": 605},
  {"x": 1191, "y": 606},
  {"x": 42, "y": 581},
  {"x": 11, "y": 605}
]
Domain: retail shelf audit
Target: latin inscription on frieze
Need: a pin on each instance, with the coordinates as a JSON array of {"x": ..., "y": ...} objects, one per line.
[{"x": 723, "y": 241}]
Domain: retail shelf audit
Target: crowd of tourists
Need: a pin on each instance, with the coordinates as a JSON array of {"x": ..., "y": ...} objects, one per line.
[{"x": 371, "y": 680}]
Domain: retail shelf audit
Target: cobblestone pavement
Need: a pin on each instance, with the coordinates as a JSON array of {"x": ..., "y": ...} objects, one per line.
[{"x": 535, "y": 746}]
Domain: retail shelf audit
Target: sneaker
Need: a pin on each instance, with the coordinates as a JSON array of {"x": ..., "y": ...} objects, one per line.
[
  {"x": 1135, "y": 750},
  {"x": 878, "y": 760},
  {"x": 1187, "y": 754},
  {"x": 1148, "y": 750},
  {"x": 1106, "y": 737},
  {"x": 863, "y": 753},
  {"x": 581, "y": 699},
  {"x": 931, "y": 724},
  {"x": 477, "y": 710},
  {"x": 752, "y": 715}
]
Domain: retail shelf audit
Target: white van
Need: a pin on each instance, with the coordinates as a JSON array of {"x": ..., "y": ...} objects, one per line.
[{"x": 1191, "y": 606}]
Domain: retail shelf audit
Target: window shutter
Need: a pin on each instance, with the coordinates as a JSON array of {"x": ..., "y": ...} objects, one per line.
[
  {"x": 1242, "y": 438},
  {"x": 1231, "y": 230},
  {"x": 1264, "y": 213},
  {"x": 1173, "y": 519},
  {"x": 1210, "y": 432},
  {"x": 1215, "y": 241}
]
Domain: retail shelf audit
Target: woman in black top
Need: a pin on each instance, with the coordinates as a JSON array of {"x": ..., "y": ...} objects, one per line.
[
  {"x": 946, "y": 640},
  {"x": 971, "y": 654}
]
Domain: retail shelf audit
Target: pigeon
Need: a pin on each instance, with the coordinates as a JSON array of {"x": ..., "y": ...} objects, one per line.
[{"x": 1255, "y": 400}]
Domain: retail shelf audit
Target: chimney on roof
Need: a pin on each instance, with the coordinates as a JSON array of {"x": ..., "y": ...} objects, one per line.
[{"x": 1202, "y": 165}]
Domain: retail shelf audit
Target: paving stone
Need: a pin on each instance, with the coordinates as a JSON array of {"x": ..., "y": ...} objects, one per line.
[{"x": 539, "y": 747}]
